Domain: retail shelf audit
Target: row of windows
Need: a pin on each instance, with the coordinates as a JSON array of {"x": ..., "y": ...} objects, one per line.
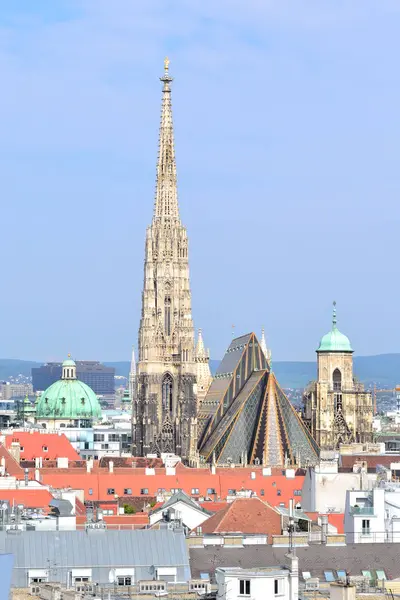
[
  {"x": 112, "y": 437},
  {"x": 245, "y": 587},
  {"x": 44, "y": 448},
  {"x": 194, "y": 492}
]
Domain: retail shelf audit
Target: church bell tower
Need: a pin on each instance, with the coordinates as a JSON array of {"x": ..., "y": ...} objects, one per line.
[
  {"x": 165, "y": 407},
  {"x": 337, "y": 409}
]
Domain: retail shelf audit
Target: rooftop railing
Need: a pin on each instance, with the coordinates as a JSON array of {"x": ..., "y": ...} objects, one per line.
[{"x": 361, "y": 510}]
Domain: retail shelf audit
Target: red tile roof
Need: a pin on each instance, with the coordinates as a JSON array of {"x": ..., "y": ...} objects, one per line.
[
  {"x": 334, "y": 519},
  {"x": 137, "y": 521},
  {"x": 11, "y": 466},
  {"x": 245, "y": 515},
  {"x": 30, "y": 498},
  {"x": 33, "y": 444},
  {"x": 275, "y": 488},
  {"x": 337, "y": 520},
  {"x": 212, "y": 507}
]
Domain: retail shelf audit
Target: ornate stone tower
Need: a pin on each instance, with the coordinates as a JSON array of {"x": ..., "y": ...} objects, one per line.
[
  {"x": 337, "y": 409},
  {"x": 203, "y": 373},
  {"x": 165, "y": 411}
]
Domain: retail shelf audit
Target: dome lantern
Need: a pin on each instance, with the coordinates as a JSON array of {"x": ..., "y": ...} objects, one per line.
[{"x": 68, "y": 369}]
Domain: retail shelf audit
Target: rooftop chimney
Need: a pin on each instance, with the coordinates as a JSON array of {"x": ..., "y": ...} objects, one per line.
[
  {"x": 111, "y": 466},
  {"x": 324, "y": 528},
  {"x": 15, "y": 450},
  {"x": 342, "y": 591}
]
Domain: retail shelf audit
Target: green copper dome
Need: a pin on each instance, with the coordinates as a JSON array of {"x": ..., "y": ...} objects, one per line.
[
  {"x": 334, "y": 341},
  {"x": 68, "y": 398}
]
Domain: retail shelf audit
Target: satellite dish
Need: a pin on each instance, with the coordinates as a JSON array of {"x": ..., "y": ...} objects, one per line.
[{"x": 111, "y": 576}]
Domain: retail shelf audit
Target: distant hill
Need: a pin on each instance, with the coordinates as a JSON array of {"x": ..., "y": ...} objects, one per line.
[{"x": 383, "y": 369}]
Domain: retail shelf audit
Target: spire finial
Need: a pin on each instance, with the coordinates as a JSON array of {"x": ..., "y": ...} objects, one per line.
[
  {"x": 334, "y": 321},
  {"x": 166, "y": 200},
  {"x": 166, "y": 78}
]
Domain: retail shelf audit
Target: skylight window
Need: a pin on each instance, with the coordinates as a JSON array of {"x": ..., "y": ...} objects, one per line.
[{"x": 380, "y": 574}]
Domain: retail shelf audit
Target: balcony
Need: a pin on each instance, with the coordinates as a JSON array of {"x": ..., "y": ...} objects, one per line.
[{"x": 362, "y": 510}]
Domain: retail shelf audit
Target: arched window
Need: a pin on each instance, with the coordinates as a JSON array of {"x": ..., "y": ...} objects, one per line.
[
  {"x": 337, "y": 388},
  {"x": 167, "y": 387},
  {"x": 167, "y": 315},
  {"x": 337, "y": 380}
]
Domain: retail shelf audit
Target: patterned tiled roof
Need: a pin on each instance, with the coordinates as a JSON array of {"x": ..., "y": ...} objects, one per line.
[{"x": 245, "y": 515}]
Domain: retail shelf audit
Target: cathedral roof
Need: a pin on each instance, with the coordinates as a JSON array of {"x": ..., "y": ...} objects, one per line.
[
  {"x": 249, "y": 416},
  {"x": 334, "y": 340},
  {"x": 68, "y": 398}
]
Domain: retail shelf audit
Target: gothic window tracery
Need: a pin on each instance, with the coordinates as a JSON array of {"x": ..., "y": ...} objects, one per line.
[
  {"x": 337, "y": 388},
  {"x": 167, "y": 390},
  {"x": 337, "y": 380}
]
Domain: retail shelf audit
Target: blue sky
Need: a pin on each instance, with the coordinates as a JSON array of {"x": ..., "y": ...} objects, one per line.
[{"x": 287, "y": 130}]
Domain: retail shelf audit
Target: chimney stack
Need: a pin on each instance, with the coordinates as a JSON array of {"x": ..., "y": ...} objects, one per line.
[
  {"x": 111, "y": 466},
  {"x": 324, "y": 528},
  {"x": 15, "y": 450}
]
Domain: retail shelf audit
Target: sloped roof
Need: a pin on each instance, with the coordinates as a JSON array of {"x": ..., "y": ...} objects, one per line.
[
  {"x": 243, "y": 355},
  {"x": 245, "y": 515},
  {"x": 182, "y": 497},
  {"x": 32, "y": 444},
  {"x": 30, "y": 498},
  {"x": 253, "y": 420},
  {"x": 32, "y": 549},
  {"x": 315, "y": 558},
  {"x": 11, "y": 465}
]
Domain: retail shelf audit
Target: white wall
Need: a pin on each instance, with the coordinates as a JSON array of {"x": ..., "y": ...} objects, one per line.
[
  {"x": 191, "y": 517},
  {"x": 262, "y": 583},
  {"x": 261, "y": 588},
  {"x": 384, "y": 522},
  {"x": 326, "y": 490}
]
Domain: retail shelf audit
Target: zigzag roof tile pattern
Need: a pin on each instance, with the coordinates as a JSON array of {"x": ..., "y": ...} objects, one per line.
[{"x": 247, "y": 418}]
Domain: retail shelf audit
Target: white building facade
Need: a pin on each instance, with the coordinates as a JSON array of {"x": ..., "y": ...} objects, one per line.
[
  {"x": 325, "y": 487},
  {"x": 259, "y": 584},
  {"x": 373, "y": 516}
]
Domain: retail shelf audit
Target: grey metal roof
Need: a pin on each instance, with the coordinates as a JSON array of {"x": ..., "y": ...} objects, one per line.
[
  {"x": 95, "y": 548},
  {"x": 182, "y": 497},
  {"x": 315, "y": 559}
]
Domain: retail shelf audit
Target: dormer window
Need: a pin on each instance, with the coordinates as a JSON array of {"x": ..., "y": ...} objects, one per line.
[
  {"x": 82, "y": 401},
  {"x": 44, "y": 448},
  {"x": 22, "y": 448},
  {"x": 62, "y": 400},
  {"x": 46, "y": 400}
]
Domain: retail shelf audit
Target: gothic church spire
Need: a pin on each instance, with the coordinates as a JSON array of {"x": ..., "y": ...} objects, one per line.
[{"x": 166, "y": 200}]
